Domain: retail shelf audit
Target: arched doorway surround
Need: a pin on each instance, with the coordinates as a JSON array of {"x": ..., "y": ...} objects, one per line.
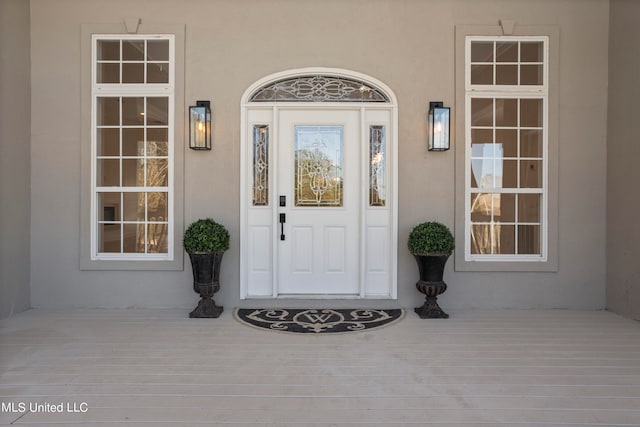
[{"x": 318, "y": 186}]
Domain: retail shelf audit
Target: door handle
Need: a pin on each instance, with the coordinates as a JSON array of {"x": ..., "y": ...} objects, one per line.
[{"x": 283, "y": 219}]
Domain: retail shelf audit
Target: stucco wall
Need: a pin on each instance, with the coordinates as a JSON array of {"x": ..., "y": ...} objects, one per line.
[
  {"x": 623, "y": 228},
  {"x": 408, "y": 44},
  {"x": 14, "y": 156}
]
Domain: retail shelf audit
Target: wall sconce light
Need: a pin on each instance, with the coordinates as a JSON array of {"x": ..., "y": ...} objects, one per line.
[
  {"x": 200, "y": 126},
  {"x": 439, "y": 125}
]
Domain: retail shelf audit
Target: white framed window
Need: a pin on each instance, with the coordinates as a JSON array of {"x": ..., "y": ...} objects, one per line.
[
  {"x": 132, "y": 147},
  {"x": 506, "y": 148}
]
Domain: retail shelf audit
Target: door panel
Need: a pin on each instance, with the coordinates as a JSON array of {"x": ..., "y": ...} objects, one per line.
[
  {"x": 335, "y": 238},
  {"x": 319, "y": 173},
  {"x": 302, "y": 249}
]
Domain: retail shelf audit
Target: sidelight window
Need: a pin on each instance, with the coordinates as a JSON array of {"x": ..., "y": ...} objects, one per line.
[
  {"x": 260, "y": 165},
  {"x": 377, "y": 163}
]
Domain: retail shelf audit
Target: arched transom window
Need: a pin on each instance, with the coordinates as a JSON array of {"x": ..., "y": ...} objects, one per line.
[{"x": 318, "y": 88}]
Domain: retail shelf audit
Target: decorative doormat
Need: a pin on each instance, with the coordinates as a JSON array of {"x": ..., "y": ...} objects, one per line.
[{"x": 316, "y": 321}]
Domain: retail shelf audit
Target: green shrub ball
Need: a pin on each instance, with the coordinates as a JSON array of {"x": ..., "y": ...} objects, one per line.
[
  {"x": 206, "y": 236},
  {"x": 431, "y": 238}
]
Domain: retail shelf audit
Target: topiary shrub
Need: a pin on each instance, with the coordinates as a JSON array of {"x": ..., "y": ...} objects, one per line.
[
  {"x": 431, "y": 238},
  {"x": 206, "y": 235}
]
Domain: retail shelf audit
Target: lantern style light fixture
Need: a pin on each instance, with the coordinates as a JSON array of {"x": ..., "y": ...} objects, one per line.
[
  {"x": 439, "y": 126},
  {"x": 200, "y": 126}
]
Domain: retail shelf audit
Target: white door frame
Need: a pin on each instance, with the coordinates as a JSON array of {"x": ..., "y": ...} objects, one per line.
[{"x": 259, "y": 243}]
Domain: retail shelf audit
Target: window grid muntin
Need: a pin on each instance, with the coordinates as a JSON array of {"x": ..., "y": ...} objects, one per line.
[
  {"x": 494, "y": 189},
  {"x": 122, "y": 222},
  {"x": 121, "y": 61},
  {"x": 145, "y": 91},
  {"x": 518, "y": 142},
  {"x": 507, "y": 91},
  {"x": 503, "y": 87},
  {"x": 519, "y": 63},
  {"x": 144, "y": 157}
]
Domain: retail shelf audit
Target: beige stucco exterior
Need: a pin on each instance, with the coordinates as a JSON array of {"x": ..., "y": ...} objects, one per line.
[
  {"x": 15, "y": 121},
  {"x": 228, "y": 45},
  {"x": 623, "y": 228}
]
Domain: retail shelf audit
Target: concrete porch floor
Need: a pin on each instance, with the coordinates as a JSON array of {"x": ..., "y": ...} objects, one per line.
[{"x": 479, "y": 368}]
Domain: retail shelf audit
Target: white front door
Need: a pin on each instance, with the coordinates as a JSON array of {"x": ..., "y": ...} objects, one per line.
[
  {"x": 319, "y": 149},
  {"x": 319, "y": 169}
]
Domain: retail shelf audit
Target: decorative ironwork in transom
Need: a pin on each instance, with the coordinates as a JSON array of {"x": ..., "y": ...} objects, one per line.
[{"x": 318, "y": 88}]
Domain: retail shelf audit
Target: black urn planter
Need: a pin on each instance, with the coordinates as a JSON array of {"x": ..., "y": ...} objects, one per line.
[
  {"x": 431, "y": 285},
  {"x": 206, "y": 282}
]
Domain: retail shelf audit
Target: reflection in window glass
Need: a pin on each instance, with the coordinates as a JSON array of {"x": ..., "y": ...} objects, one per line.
[
  {"x": 531, "y": 174},
  {"x": 157, "y": 172},
  {"x": 108, "y": 172},
  {"x": 506, "y": 131},
  {"x": 508, "y": 140},
  {"x": 486, "y": 165},
  {"x": 506, "y": 112},
  {"x": 157, "y": 111},
  {"x": 158, "y": 72},
  {"x": 108, "y": 73},
  {"x": 507, "y": 51},
  {"x": 157, "y": 51},
  {"x": 157, "y": 142},
  {"x": 108, "y": 111},
  {"x": 481, "y": 111},
  {"x": 377, "y": 150},
  {"x": 482, "y": 74},
  {"x": 108, "y": 142},
  {"x": 133, "y": 73},
  {"x": 531, "y": 112},
  {"x": 108, "y": 50},
  {"x": 133, "y": 238},
  {"x": 482, "y": 51},
  {"x": 133, "y": 206},
  {"x": 529, "y": 239},
  {"x": 506, "y": 74},
  {"x": 531, "y": 51},
  {"x": 133, "y": 172},
  {"x": 318, "y": 166},
  {"x": 531, "y": 75},
  {"x": 110, "y": 238},
  {"x": 133, "y": 50},
  {"x": 156, "y": 242},
  {"x": 529, "y": 208},
  {"x": 531, "y": 143}
]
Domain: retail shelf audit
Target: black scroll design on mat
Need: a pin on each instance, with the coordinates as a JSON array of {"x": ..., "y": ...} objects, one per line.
[{"x": 318, "y": 320}]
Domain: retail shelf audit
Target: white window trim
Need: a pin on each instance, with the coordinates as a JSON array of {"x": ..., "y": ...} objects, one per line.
[
  {"x": 507, "y": 91},
  {"x": 153, "y": 89}
]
